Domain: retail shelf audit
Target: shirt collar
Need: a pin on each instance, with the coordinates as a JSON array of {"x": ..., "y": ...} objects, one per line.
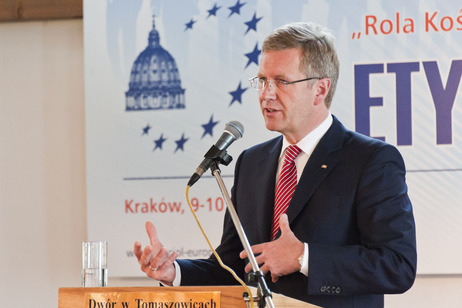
[{"x": 309, "y": 142}]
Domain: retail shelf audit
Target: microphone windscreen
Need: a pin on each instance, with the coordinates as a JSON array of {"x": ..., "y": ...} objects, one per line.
[{"x": 235, "y": 128}]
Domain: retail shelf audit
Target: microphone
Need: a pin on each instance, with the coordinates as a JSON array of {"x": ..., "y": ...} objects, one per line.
[{"x": 233, "y": 131}]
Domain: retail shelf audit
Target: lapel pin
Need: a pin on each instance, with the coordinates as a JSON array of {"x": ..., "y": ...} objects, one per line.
[{"x": 324, "y": 167}]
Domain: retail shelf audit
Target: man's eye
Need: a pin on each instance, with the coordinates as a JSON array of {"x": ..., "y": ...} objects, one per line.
[{"x": 281, "y": 81}]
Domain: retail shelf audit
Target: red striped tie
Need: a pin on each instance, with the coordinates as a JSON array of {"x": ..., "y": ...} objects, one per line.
[{"x": 285, "y": 187}]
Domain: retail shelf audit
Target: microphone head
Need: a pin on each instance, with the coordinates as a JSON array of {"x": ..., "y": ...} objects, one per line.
[{"x": 235, "y": 128}]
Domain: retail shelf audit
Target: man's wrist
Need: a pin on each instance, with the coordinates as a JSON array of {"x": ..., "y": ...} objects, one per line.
[{"x": 177, "y": 280}]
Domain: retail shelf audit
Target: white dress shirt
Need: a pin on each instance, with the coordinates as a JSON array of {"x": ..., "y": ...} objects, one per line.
[{"x": 307, "y": 145}]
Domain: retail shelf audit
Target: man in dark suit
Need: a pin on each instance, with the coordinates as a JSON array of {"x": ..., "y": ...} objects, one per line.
[{"x": 348, "y": 234}]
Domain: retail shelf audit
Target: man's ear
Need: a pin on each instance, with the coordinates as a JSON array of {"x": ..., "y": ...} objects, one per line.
[{"x": 322, "y": 89}]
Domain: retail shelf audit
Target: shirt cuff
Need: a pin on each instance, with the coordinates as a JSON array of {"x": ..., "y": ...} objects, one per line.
[{"x": 304, "y": 269}]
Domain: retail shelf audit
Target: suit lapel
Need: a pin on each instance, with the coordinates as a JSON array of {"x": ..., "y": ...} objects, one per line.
[
  {"x": 266, "y": 167},
  {"x": 322, "y": 161}
]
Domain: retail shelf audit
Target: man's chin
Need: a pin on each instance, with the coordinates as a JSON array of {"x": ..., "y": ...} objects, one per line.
[{"x": 271, "y": 126}]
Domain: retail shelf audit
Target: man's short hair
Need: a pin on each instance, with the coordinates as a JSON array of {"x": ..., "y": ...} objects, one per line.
[{"x": 319, "y": 57}]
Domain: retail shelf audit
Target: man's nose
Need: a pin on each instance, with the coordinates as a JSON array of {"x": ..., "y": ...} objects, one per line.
[{"x": 268, "y": 92}]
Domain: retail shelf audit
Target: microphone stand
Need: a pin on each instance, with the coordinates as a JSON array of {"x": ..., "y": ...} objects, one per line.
[{"x": 263, "y": 290}]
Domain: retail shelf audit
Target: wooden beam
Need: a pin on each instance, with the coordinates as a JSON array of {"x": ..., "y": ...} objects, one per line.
[{"x": 27, "y": 10}]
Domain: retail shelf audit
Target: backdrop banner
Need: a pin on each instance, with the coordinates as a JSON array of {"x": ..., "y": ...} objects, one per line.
[{"x": 162, "y": 79}]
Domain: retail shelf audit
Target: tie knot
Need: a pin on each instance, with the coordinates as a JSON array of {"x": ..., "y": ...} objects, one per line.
[{"x": 292, "y": 152}]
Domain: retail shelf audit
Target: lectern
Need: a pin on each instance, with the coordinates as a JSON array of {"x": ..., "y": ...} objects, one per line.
[{"x": 139, "y": 297}]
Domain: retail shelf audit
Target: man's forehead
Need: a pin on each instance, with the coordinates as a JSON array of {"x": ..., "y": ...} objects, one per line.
[{"x": 280, "y": 63}]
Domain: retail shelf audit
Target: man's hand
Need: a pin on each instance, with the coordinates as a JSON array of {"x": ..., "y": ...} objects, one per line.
[
  {"x": 154, "y": 259},
  {"x": 280, "y": 257}
]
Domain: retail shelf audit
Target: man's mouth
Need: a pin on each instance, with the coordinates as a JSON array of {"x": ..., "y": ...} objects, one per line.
[{"x": 269, "y": 110}]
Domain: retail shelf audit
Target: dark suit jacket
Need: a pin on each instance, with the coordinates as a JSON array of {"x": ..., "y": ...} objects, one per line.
[{"x": 351, "y": 207}]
